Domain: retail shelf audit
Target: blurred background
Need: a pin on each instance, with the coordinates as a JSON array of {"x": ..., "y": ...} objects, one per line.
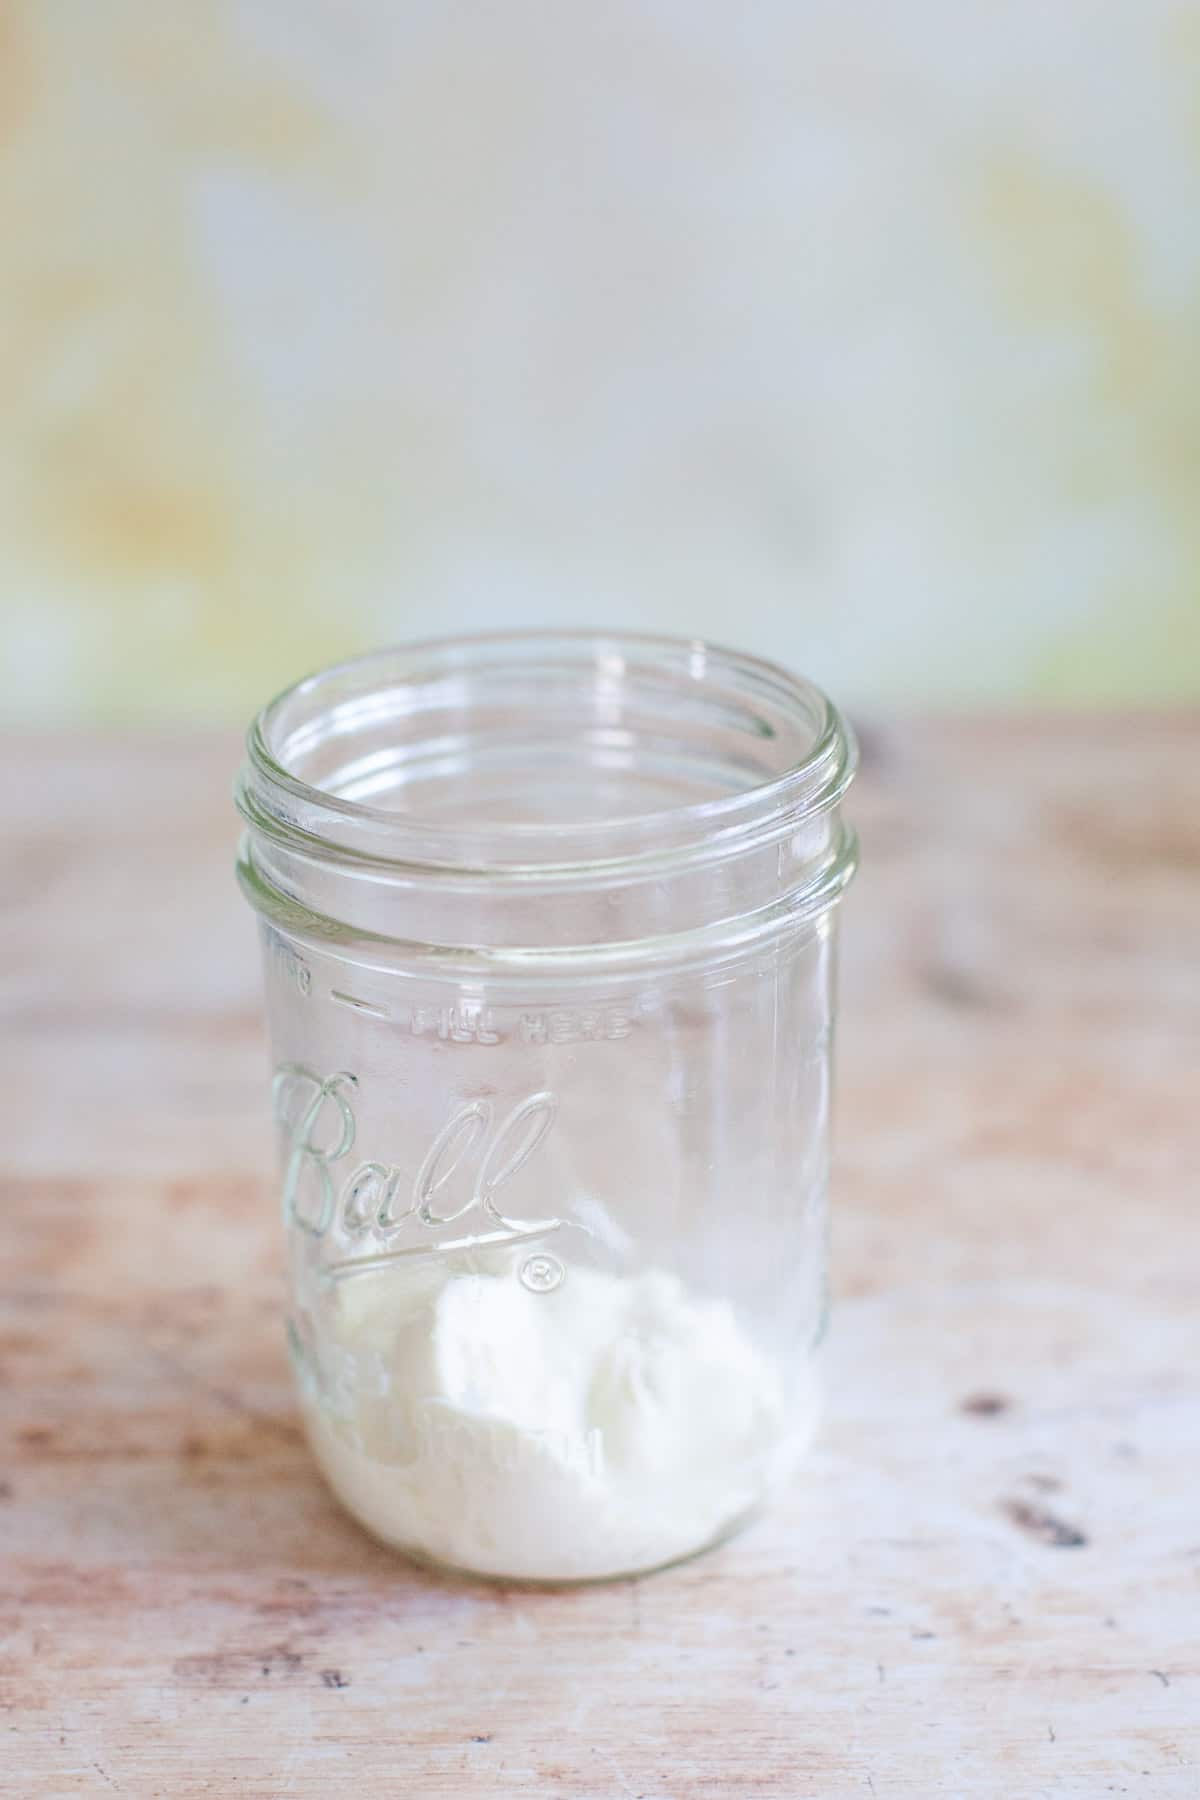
[{"x": 864, "y": 336}]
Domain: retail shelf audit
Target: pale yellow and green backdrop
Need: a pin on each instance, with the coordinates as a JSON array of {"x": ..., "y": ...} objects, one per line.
[{"x": 865, "y": 335}]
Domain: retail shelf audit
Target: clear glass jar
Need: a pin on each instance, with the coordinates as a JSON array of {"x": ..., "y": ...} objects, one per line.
[{"x": 548, "y": 929}]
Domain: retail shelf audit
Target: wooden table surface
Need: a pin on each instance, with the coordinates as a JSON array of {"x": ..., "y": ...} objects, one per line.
[{"x": 986, "y": 1581}]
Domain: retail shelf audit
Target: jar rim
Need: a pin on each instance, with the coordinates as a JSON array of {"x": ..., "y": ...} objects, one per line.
[{"x": 273, "y": 797}]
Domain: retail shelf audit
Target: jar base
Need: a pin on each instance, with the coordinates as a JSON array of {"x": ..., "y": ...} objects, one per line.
[
  {"x": 378, "y": 1495},
  {"x": 452, "y": 1571}
]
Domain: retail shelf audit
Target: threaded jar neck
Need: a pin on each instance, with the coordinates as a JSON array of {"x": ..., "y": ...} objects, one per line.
[{"x": 538, "y": 792}]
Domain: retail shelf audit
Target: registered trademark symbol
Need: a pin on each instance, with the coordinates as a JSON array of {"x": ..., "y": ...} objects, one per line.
[{"x": 541, "y": 1274}]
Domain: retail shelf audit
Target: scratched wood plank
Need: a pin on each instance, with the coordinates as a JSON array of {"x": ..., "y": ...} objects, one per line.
[{"x": 987, "y": 1580}]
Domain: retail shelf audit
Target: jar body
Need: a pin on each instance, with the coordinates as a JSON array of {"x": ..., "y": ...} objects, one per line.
[{"x": 555, "y": 1222}]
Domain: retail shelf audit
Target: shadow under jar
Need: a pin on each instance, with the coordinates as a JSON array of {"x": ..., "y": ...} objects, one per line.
[{"x": 548, "y": 930}]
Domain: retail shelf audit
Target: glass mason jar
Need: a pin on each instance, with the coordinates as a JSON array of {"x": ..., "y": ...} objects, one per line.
[{"x": 548, "y": 929}]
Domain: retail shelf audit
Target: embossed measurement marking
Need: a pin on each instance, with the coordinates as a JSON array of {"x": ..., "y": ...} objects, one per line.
[
  {"x": 364, "y": 1006},
  {"x": 484, "y": 1025},
  {"x": 292, "y": 964}
]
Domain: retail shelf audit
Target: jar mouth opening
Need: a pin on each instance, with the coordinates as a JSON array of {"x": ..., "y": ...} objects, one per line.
[{"x": 543, "y": 752}]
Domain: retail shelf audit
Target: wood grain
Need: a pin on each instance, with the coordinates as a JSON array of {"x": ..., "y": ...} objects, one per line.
[{"x": 987, "y": 1581}]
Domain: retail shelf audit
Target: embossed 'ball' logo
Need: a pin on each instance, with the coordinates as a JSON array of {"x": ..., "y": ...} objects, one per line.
[{"x": 377, "y": 1199}]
